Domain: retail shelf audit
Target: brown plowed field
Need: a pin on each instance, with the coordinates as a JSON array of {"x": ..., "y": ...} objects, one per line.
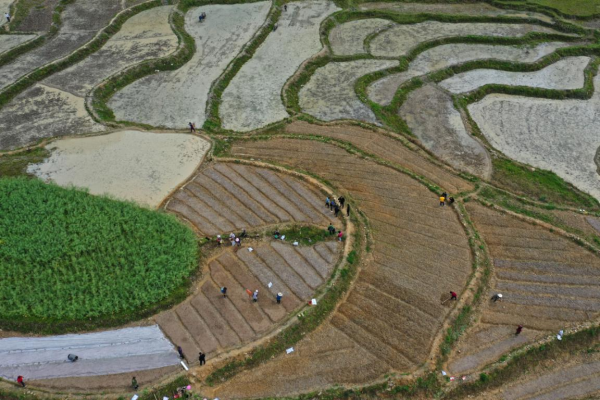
[
  {"x": 548, "y": 283},
  {"x": 388, "y": 149},
  {"x": 210, "y": 323},
  {"x": 392, "y": 314},
  {"x": 227, "y": 197}
]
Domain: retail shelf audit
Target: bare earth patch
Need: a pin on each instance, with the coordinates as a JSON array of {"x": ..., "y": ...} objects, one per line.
[
  {"x": 548, "y": 134},
  {"x": 4, "y": 7},
  {"x": 7, "y": 42},
  {"x": 253, "y": 97},
  {"x": 565, "y": 74},
  {"x": 399, "y": 40},
  {"x": 348, "y": 38},
  {"x": 330, "y": 95},
  {"x": 548, "y": 283},
  {"x": 81, "y": 21},
  {"x": 100, "y": 353},
  {"x": 452, "y": 9},
  {"x": 437, "y": 58},
  {"x": 392, "y": 313},
  {"x": 172, "y": 99},
  {"x": 139, "y": 166},
  {"x": 56, "y": 106},
  {"x": 431, "y": 116}
]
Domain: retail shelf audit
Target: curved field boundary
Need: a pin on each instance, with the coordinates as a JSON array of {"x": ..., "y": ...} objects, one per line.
[
  {"x": 12, "y": 54},
  {"x": 97, "y": 103},
  {"x": 91, "y": 47},
  {"x": 550, "y": 11}
]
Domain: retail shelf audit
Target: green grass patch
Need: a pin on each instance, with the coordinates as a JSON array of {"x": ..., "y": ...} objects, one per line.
[
  {"x": 306, "y": 235},
  {"x": 12, "y": 165},
  {"x": 541, "y": 185},
  {"x": 572, "y": 7},
  {"x": 67, "y": 256}
]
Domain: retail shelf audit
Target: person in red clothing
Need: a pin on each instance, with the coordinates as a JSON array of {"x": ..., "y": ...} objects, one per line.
[
  {"x": 519, "y": 329},
  {"x": 20, "y": 380},
  {"x": 454, "y": 296},
  {"x": 340, "y": 235}
]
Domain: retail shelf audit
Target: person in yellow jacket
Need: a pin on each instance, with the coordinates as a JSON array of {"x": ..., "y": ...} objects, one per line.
[{"x": 442, "y": 201}]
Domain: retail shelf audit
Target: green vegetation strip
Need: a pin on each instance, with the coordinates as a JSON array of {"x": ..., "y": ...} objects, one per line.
[
  {"x": 85, "y": 261},
  {"x": 94, "y": 45},
  {"x": 575, "y": 9},
  {"x": 12, "y": 165}
]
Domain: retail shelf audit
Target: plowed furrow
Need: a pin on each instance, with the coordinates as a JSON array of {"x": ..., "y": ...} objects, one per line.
[
  {"x": 235, "y": 217},
  {"x": 229, "y": 200},
  {"x": 204, "y": 210},
  {"x": 228, "y": 312},
  {"x": 220, "y": 328},
  {"x": 241, "y": 273},
  {"x": 298, "y": 263},
  {"x": 316, "y": 261},
  {"x": 191, "y": 215},
  {"x": 249, "y": 311},
  {"x": 197, "y": 329},
  {"x": 291, "y": 279},
  {"x": 172, "y": 327},
  {"x": 518, "y": 276}
]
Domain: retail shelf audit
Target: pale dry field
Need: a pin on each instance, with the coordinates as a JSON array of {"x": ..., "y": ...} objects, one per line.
[
  {"x": 348, "y": 38},
  {"x": 399, "y": 40},
  {"x": 56, "y": 106},
  {"x": 253, "y": 97},
  {"x": 431, "y": 116},
  {"x": 81, "y": 22},
  {"x": 438, "y": 58},
  {"x": 556, "y": 135},
  {"x": 172, "y": 99},
  {"x": 565, "y": 74},
  {"x": 7, "y": 42},
  {"x": 4, "y": 7},
  {"x": 143, "y": 167},
  {"x": 330, "y": 95}
]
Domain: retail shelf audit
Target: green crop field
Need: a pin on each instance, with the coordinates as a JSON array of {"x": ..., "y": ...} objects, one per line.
[
  {"x": 68, "y": 255},
  {"x": 572, "y": 7}
]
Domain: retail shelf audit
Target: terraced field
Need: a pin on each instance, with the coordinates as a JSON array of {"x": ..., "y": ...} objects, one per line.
[
  {"x": 82, "y": 20},
  {"x": 547, "y": 281},
  {"x": 172, "y": 99},
  {"x": 330, "y": 95},
  {"x": 574, "y": 377},
  {"x": 253, "y": 97},
  {"x": 546, "y": 134},
  {"x": 562, "y": 75},
  {"x": 56, "y": 105},
  {"x": 212, "y": 324},
  {"x": 229, "y": 197},
  {"x": 430, "y": 114},
  {"x": 7, "y": 42},
  {"x": 399, "y": 40},
  {"x": 387, "y": 148},
  {"x": 440, "y": 57},
  {"x": 393, "y": 311}
]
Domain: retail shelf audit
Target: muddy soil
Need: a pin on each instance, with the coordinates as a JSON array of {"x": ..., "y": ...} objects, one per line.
[
  {"x": 565, "y": 74},
  {"x": 172, "y": 99},
  {"x": 39, "y": 18},
  {"x": 546, "y": 134},
  {"x": 440, "y": 57},
  {"x": 330, "y": 95},
  {"x": 139, "y": 166},
  {"x": 253, "y": 97},
  {"x": 347, "y": 39},
  {"x": 431, "y": 116},
  {"x": 7, "y": 42},
  {"x": 399, "y": 40}
]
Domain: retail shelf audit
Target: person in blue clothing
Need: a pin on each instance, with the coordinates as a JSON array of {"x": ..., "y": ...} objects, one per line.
[{"x": 279, "y": 296}]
